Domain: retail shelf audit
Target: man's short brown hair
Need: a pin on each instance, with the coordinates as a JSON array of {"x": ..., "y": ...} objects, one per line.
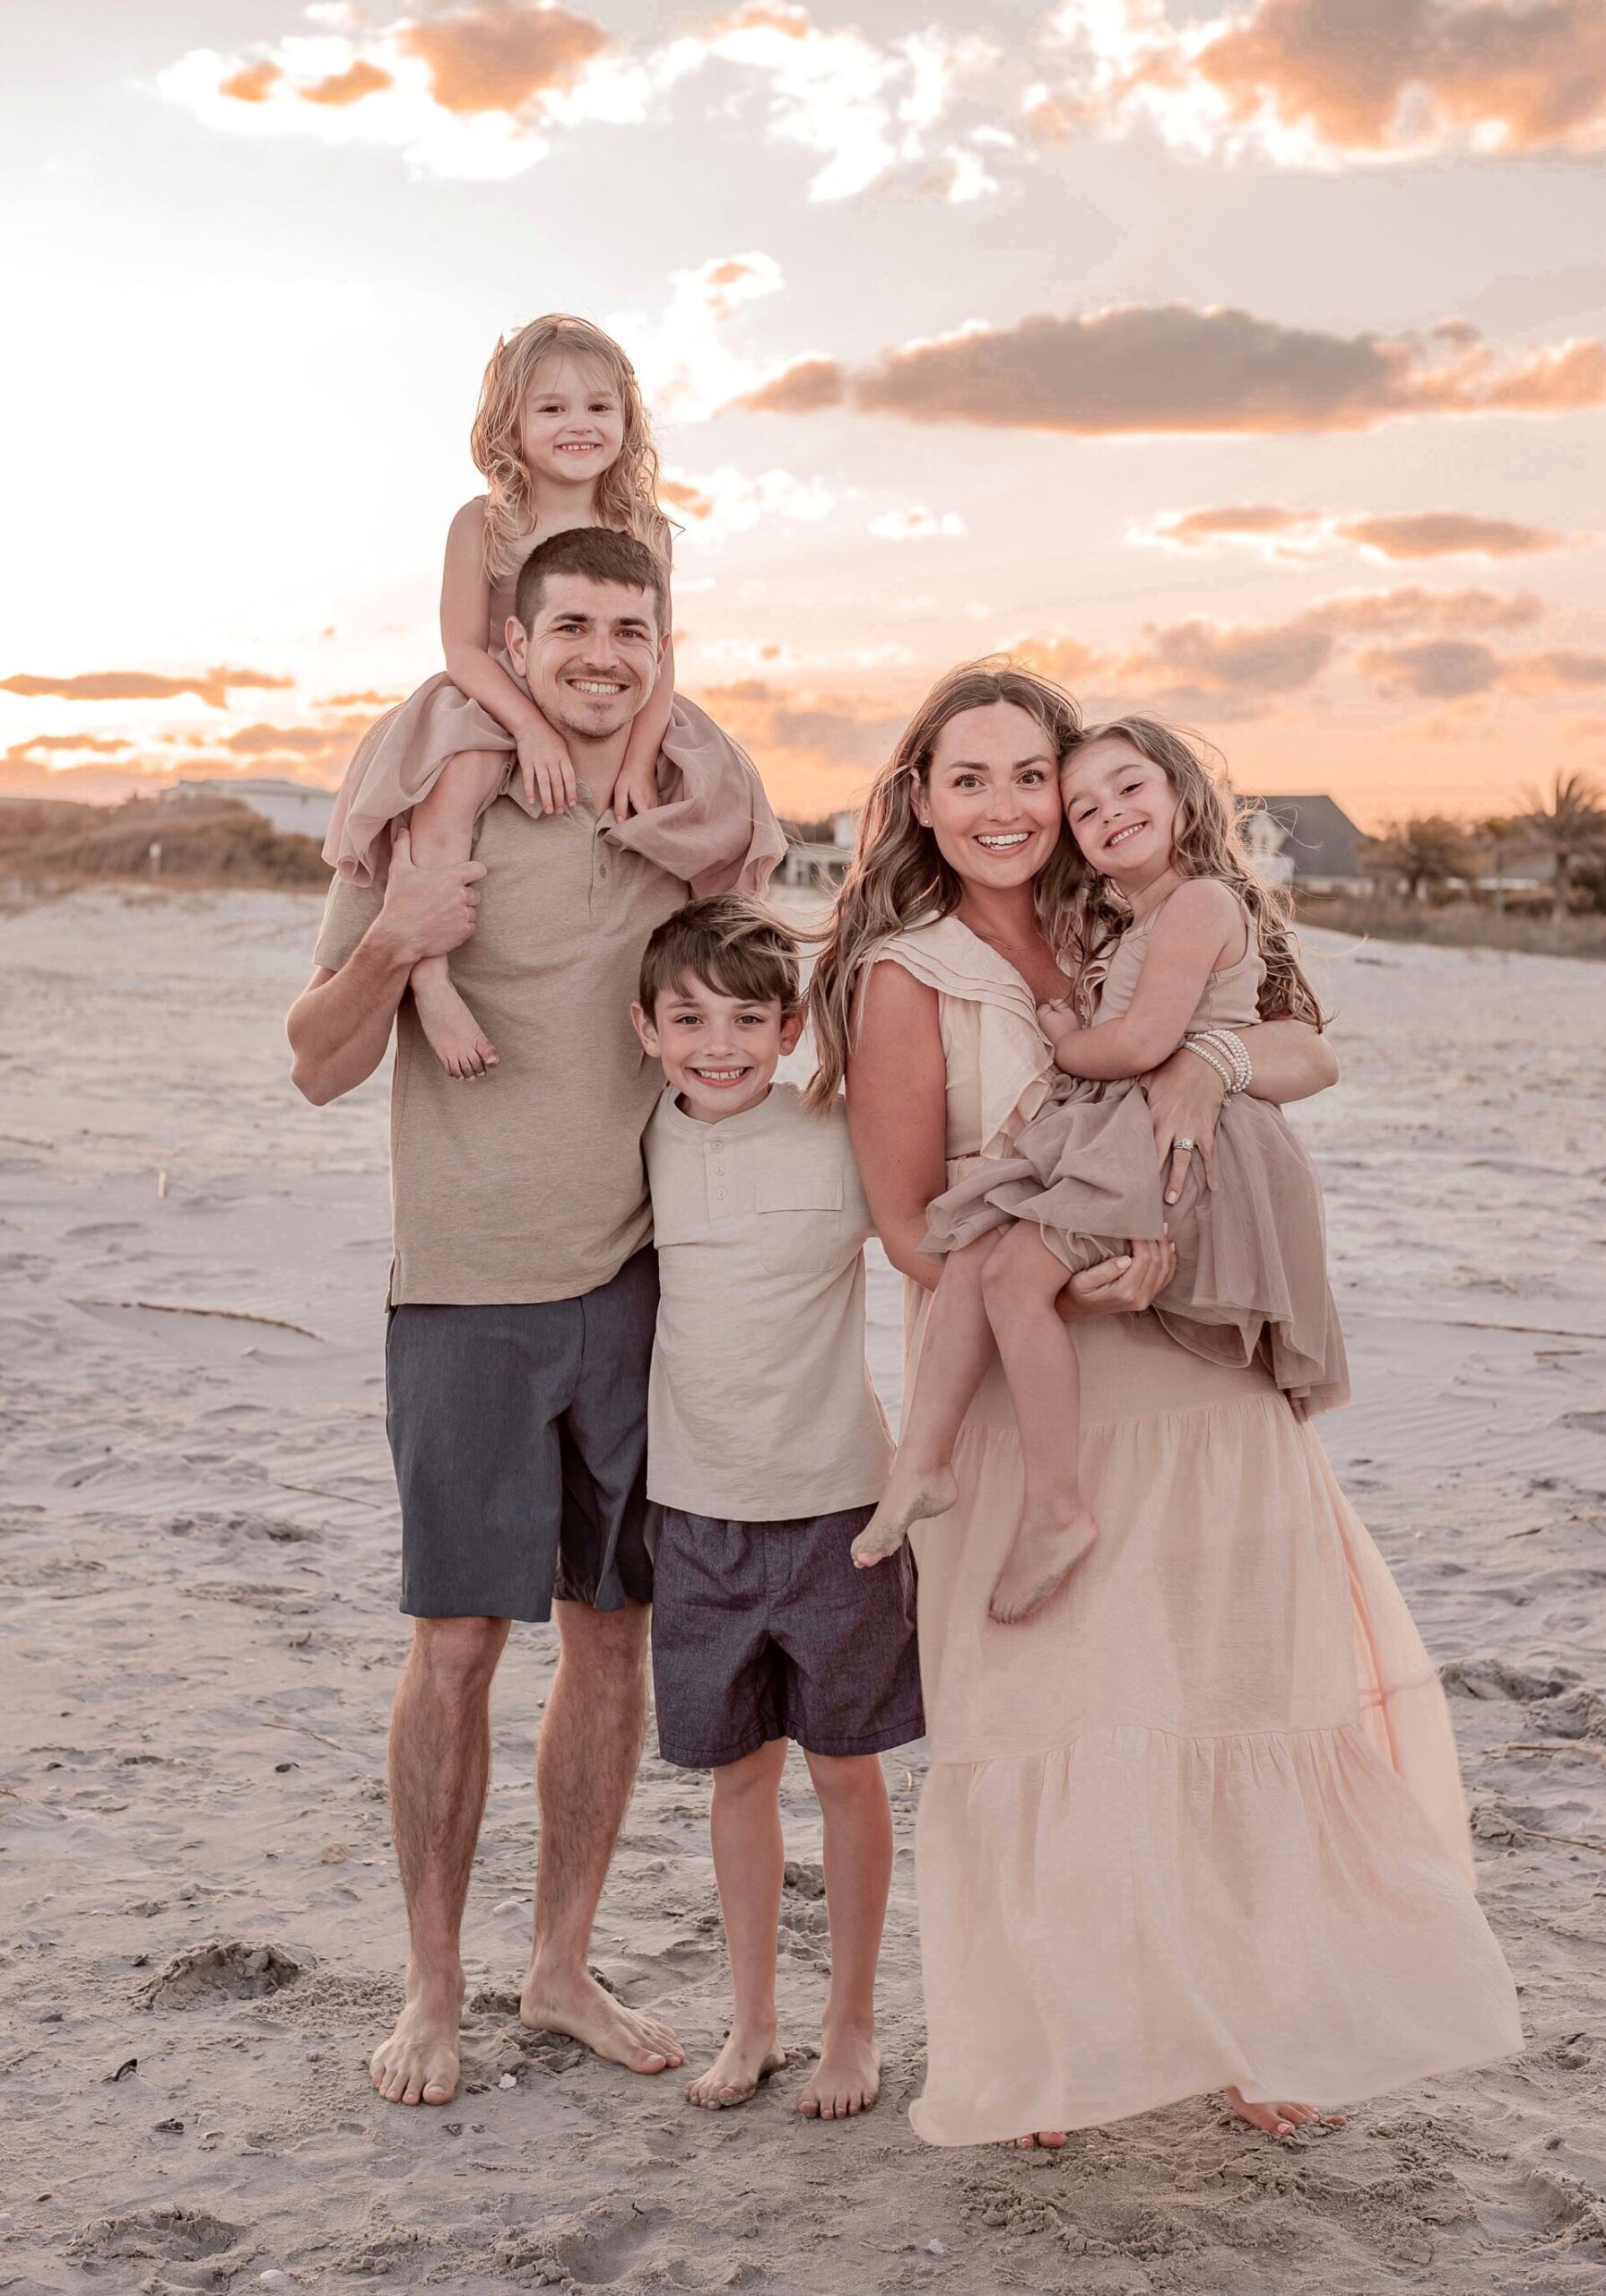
[
  {"x": 599, "y": 553},
  {"x": 730, "y": 945}
]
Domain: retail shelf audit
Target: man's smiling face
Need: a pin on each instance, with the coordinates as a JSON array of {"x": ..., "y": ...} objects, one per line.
[{"x": 590, "y": 657}]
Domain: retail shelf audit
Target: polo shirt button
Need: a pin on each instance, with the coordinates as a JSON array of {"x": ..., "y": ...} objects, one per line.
[{"x": 722, "y": 1192}]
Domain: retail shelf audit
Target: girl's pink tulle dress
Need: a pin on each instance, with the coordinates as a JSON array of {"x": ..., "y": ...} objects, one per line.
[
  {"x": 713, "y": 828},
  {"x": 1251, "y": 1252}
]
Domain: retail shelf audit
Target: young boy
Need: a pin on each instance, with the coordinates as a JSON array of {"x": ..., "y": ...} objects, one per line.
[{"x": 766, "y": 1452}]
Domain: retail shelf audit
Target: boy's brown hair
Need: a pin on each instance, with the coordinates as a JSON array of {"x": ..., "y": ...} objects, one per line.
[{"x": 729, "y": 944}]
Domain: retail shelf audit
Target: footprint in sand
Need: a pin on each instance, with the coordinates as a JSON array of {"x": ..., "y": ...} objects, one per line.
[{"x": 203, "y": 1974}]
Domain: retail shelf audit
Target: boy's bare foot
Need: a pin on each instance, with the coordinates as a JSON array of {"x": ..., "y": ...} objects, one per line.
[
  {"x": 457, "y": 1039},
  {"x": 1042, "y": 1558},
  {"x": 847, "y": 2079},
  {"x": 745, "y": 2060},
  {"x": 1276, "y": 2118},
  {"x": 578, "y": 2006},
  {"x": 418, "y": 2064},
  {"x": 910, "y": 1498}
]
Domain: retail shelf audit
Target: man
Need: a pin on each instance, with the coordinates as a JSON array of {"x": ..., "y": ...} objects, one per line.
[{"x": 523, "y": 1296}]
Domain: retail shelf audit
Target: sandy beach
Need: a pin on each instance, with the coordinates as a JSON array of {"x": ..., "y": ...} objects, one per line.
[{"x": 201, "y": 1936}]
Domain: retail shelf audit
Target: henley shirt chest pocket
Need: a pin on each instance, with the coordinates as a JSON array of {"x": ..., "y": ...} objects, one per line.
[{"x": 799, "y": 1221}]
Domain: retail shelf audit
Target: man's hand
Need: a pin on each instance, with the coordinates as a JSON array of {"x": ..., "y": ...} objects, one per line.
[
  {"x": 545, "y": 769},
  {"x": 1185, "y": 1096},
  {"x": 428, "y": 912}
]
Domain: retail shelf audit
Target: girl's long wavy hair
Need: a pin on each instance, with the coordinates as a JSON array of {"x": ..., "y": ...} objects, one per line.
[
  {"x": 1207, "y": 841},
  {"x": 627, "y": 492},
  {"x": 899, "y": 879}
]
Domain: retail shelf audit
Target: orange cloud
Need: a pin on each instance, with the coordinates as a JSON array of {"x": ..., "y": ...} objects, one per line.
[
  {"x": 681, "y": 495},
  {"x": 1307, "y": 534},
  {"x": 250, "y": 85},
  {"x": 100, "y": 745},
  {"x": 497, "y": 57},
  {"x": 212, "y": 686},
  {"x": 1417, "y": 74},
  {"x": 364, "y": 700},
  {"x": 1446, "y": 669},
  {"x": 1135, "y": 369},
  {"x": 349, "y": 87}
]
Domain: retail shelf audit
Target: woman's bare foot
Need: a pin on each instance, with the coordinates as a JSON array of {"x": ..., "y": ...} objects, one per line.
[
  {"x": 1047, "y": 2140},
  {"x": 1042, "y": 1558},
  {"x": 1276, "y": 2118},
  {"x": 910, "y": 1498},
  {"x": 578, "y": 2006},
  {"x": 745, "y": 2060},
  {"x": 457, "y": 1039},
  {"x": 847, "y": 2079},
  {"x": 418, "y": 2064}
]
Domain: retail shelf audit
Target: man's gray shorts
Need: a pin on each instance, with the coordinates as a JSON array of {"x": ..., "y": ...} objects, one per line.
[
  {"x": 519, "y": 1438},
  {"x": 766, "y": 1630}
]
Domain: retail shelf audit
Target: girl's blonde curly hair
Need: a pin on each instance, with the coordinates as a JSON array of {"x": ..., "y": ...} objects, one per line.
[
  {"x": 627, "y": 492},
  {"x": 1207, "y": 840}
]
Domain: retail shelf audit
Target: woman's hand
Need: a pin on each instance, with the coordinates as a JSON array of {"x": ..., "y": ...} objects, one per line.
[
  {"x": 545, "y": 770},
  {"x": 636, "y": 791},
  {"x": 1124, "y": 1286},
  {"x": 1185, "y": 1096}
]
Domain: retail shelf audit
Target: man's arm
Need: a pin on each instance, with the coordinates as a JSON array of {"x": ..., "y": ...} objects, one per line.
[{"x": 339, "y": 1024}]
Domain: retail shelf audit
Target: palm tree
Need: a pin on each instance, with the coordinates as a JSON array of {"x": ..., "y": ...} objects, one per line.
[
  {"x": 1572, "y": 823},
  {"x": 1422, "y": 851}
]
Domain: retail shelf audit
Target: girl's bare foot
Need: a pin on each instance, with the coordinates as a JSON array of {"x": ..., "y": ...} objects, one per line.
[
  {"x": 910, "y": 1498},
  {"x": 1043, "y": 1556},
  {"x": 745, "y": 2060},
  {"x": 418, "y": 2064},
  {"x": 847, "y": 2079},
  {"x": 1047, "y": 2140},
  {"x": 457, "y": 1039},
  {"x": 1276, "y": 2118}
]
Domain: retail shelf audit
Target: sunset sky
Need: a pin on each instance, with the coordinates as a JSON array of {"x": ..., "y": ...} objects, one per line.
[{"x": 1244, "y": 361}]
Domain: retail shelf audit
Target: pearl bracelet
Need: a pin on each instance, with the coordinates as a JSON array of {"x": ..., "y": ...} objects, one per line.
[
  {"x": 1210, "y": 1058},
  {"x": 1232, "y": 1049}
]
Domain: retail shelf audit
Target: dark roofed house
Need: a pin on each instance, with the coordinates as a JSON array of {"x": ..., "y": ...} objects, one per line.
[{"x": 1321, "y": 840}]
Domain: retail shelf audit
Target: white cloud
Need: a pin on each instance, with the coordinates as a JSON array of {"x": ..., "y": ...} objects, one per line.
[
  {"x": 687, "y": 364},
  {"x": 727, "y": 502}
]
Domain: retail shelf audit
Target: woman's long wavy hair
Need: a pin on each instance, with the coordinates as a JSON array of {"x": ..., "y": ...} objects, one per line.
[
  {"x": 1207, "y": 841},
  {"x": 627, "y": 492},
  {"x": 898, "y": 878}
]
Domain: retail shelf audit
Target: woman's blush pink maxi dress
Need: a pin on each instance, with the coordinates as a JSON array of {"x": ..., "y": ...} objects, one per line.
[{"x": 1198, "y": 1823}]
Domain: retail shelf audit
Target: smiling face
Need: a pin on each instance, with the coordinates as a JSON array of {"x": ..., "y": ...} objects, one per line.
[
  {"x": 571, "y": 425},
  {"x": 991, "y": 796},
  {"x": 719, "y": 1052},
  {"x": 590, "y": 655},
  {"x": 1122, "y": 809}
]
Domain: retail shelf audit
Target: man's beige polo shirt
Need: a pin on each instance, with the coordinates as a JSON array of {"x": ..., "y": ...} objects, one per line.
[
  {"x": 527, "y": 1184},
  {"x": 762, "y": 1407}
]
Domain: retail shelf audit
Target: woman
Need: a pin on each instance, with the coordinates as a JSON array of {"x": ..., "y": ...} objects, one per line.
[{"x": 1197, "y": 1823}]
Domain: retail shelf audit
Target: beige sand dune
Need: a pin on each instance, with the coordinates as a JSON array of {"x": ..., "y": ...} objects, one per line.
[{"x": 200, "y": 1937}]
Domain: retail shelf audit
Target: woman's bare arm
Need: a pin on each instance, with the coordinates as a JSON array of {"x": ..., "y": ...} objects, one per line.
[
  {"x": 1290, "y": 1060},
  {"x": 898, "y": 1112},
  {"x": 897, "y": 1119}
]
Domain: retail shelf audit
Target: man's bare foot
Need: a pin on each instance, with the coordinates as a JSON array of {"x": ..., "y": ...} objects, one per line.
[
  {"x": 745, "y": 2060},
  {"x": 847, "y": 2079},
  {"x": 577, "y": 2005},
  {"x": 910, "y": 1498},
  {"x": 1276, "y": 2118},
  {"x": 1045, "y": 2140},
  {"x": 1041, "y": 1559},
  {"x": 418, "y": 2064},
  {"x": 457, "y": 1039}
]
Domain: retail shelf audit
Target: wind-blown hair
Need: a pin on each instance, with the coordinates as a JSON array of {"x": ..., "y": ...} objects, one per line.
[
  {"x": 1207, "y": 841},
  {"x": 899, "y": 879},
  {"x": 627, "y": 492}
]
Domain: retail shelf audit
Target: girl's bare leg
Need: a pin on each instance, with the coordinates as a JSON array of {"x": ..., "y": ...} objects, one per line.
[
  {"x": 443, "y": 832},
  {"x": 954, "y": 1355},
  {"x": 1020, "y": 1284},
  {"x": 748, "y": 1866}
]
